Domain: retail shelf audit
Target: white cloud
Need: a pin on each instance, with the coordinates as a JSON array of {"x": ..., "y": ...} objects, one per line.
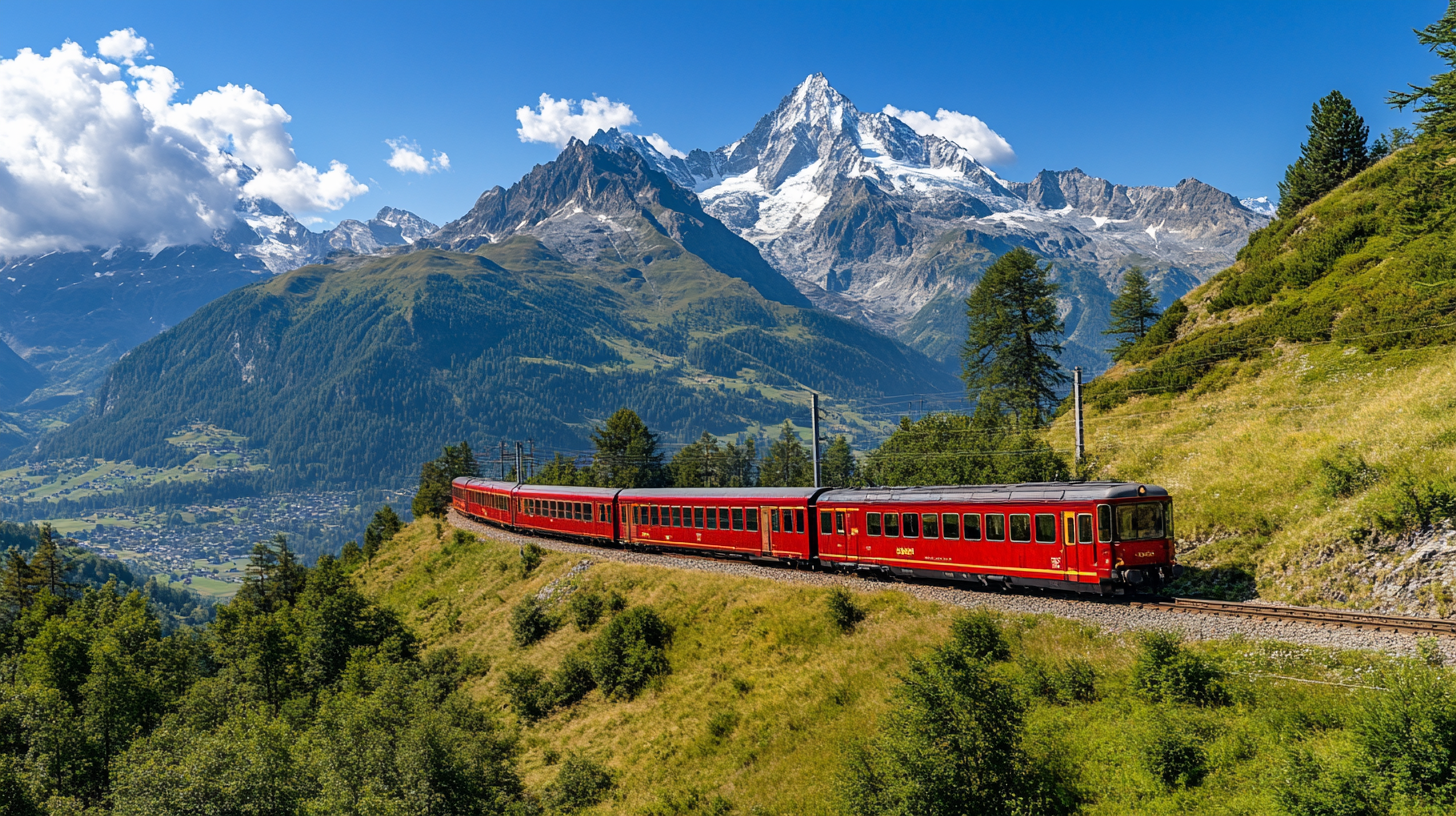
[
  {"x": 985, "y": 144},
  {"x": 96, "y": 154},
  {"x": 555, "y": 122},
  {"x": 664, "y": 148},
  {"x": 407, "y": 158},
  {"x": 122, "y": 45}
]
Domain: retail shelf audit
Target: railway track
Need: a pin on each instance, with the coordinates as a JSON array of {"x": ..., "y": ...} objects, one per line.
[{"x": 1400, "y": 624}]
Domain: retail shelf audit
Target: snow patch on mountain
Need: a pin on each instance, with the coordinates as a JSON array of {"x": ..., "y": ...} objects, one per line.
[{"x": 1261, "y": 205}]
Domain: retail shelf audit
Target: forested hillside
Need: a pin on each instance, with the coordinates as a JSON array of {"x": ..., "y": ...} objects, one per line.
[{"x": 1299, "y": 405}]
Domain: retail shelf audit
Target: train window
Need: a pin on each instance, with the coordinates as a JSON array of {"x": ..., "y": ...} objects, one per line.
[
  {"x": 995, "y": 527},
  {"x": 872, "y": 523},
  {"x": 576, "y": 513},
  {"x": 788, "y": 514},
  {"x": 798, "y": 521},
  {"x": 972, "y": 526},
  {"x": 1141, "y": 521},
  {"x": 722, "y": 518},
  {"x": 738, "y": 518},
  {"x": 656, "y": 515},
  {"x": 892, "y": 525},
  {"x": 950, "y": 526},
  {"x": 1084, "y": 528},
  {"x": 1069, "y": 534},
  {"x": 550, "y": 508},
  {"x": 1168, "y": 519},
  {"x": 1021, "y": 527},
  {"x": 773, "y": 520},
  {"x": 930, "y": 525},
  {"x": 1046, "y": 528},
  {"x": 698, "y": 517},
  {"x": 750, "y": 517},
  {"x": 677, "y": 516},
  {"x": 1104, "y": 523},
  {"x": 826, "y": 522},
  {"x": 712, "y": 518},
  {"x": 839, "y": 521},
  {"x": 910, "y": 525}
]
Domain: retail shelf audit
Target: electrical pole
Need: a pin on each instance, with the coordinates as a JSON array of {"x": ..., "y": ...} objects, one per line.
[
  {"x": 1077, "y": 411},
  {"x": 520, "y": 463},
  {"x": 814, "y": 404}
]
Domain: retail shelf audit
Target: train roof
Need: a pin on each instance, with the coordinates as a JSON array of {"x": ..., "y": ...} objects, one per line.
[
  {"x": 568, "y": 490},
  {"x": 491, "y": 484},
  {"x": 1028, "y": 491},
  {"x": 661, "y": 493}
]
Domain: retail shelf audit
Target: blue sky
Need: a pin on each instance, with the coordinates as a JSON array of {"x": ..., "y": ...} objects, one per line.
[{"x": 1139, "y": 93}]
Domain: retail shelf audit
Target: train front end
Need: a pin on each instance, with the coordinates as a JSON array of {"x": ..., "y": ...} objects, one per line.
[{"x": 1143, "y": 551}]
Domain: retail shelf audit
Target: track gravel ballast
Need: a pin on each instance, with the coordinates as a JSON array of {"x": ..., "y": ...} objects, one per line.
[{"x": 1108, "y": 615}]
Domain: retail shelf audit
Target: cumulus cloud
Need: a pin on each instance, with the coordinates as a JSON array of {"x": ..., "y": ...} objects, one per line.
[
  {"x": 558, "y": 121},
  {"x": 664, "y": 148},
  {"x": 406, "y": 158},
  {"x": 95, "y": 153},
  {"x": 985, "y": 144}
]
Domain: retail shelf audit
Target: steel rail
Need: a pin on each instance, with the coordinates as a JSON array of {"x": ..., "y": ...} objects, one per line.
[{"x": 1403, "y": 624}]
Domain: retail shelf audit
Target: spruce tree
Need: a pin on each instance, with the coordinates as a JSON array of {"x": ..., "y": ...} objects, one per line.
[
  {"x": 699, "y": 464},
  {"x": 1335, "y": 152},
  {"x": 1013, "y": 338},
  {"x": 787, "y": 463},
  {"x": 627, "y": 453},
  {"x": 1133, "y": 312},
  {"x": 17, "y": 583},
  {"x": 437, "y": 476},
  {"x": 562, "y": 470},
  {"x": 740, "y": 464},
  {"x": 1438, "y": 99},
  {"x": 50, "y": 566},
  {"x": 838, "y": 468}
]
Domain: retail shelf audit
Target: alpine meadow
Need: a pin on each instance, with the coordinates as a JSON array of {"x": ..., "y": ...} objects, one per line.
[{"x": 485, "y": 411}]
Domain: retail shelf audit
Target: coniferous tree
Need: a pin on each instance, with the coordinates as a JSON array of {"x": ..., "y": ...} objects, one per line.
[
  {"x": 562, "y": 470},
  {"x": 984, "y": 448},
  {"x": 627, "y": 453},
  {"x": 1336, "y": 151},
  {"x": 1438, "y": 99},
  {"x": 740, "y": 464},
  {"x": 838, "y": 468},
  {"x": 437, "y": 476},
  {"x": 787, "y": 463},
  {"x": 699, "y": 464},
  {"x": 1013, "y": 338},
  {"x": 1133, "y": 312},
  {"x": 17, "y": 583}
]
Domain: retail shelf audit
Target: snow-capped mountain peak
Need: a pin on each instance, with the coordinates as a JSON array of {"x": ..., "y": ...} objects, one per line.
[{"x": 1261, "y": 205}]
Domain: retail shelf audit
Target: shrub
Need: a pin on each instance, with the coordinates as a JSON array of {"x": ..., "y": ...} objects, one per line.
[
  {"x": 978, "y": 636},
  {"x": 528, "y": 692},
  {"x": 529, "y": 622},
  {"x": 585, "y": 608},
  {"x": 843, "y": 612},
  {"x": 1313, "y": 788},
  {"x": 580, "y": 783},
  {"x": 531, "y": 555},
  {"x": 573, "y": 678},
  {"x": 629, "y": 652},
  {"x": 722, "y": 724},
  {"x": 1409, "y": 732},
  {"x": 1166, "y": 672},
  {"x": 1173, "y": 753},
  {"x": 1344, "y": 473},
  {"x": 688, "y": 803},
  {"x": 1073, "y": 681},
  {"x": 615, "y": 602}
]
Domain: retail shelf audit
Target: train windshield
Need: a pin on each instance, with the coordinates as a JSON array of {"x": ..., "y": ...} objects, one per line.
[{"x": 1138, "y": 522}]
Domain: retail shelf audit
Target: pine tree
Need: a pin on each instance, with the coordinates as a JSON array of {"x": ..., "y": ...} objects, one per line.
[
  {"x": 437, "y": 476},
  {"x": 50, "y": 566},
  {"x": 787, "y": 463},
  {"x": 838, "y": 468},
  {"x": 1336, "y": 151},
  {"x": 1133, "y": 312},
  {"x": 699, "y": 464},
  {"x": 562, "y": 470},
  {"x": 1012, "y": 338},
  {"x": 17, "y": 583},
  {"x": 627, "y": 454},
  {"x": 1437, "y": 100},
  {"x": 740, "y": 464}
]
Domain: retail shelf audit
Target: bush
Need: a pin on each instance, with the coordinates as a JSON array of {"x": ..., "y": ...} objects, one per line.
[
  {"x": 585, "y": 608},
  {"x": 529, "y": 622},
  {"x": 531, "y": 555},
  {"x": 573, "y": 679},
  {"x": 843, "y": 612},
  {"x": 1073, "y": 681},
  {"x": 615, "y": 602},
  {"x": 1409, "y": 732},
  {"x": 1314, "y": 788},
  {"x": 1173, "y": 753},
  {"x": 722, "y": 724},
  {"x": 1166, "y": 672},
  {"x": 688, "y": 803},
  {"x": 978, "y": 636},
  {"x": 629, "y": 652},
  {"x": 581, "y": 783},
  {"x": 528, "y": 692},
  {"x": 1344, "y": 473}
]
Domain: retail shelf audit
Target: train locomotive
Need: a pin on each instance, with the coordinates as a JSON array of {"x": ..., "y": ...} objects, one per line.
[{"x": 1097, "y": 537}]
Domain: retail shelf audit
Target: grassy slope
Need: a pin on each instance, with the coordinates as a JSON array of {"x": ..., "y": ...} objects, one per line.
[
  {"x": 805, "y": 691},
  {"x": 1300, "y": 406}
]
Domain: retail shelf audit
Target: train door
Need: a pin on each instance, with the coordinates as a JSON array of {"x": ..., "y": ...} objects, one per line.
[
  {"x": 1070, "y": 558},
  {"x": 631, "y": 522},
  {"x": 768, "y": 518}
]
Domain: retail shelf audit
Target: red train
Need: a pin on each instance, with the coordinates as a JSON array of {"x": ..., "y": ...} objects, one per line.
[{"x": 1099, "y": 537}]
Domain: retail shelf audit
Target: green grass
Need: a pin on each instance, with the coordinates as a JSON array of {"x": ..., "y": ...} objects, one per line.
[{"x": 797, "y": 691}]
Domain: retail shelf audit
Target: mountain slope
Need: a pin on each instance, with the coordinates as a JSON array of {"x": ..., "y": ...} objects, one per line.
[
  {"x": 17, "y": 377},
  {"x": 1299, "y": 404},
  {"x": 887, "y": 221},
  {"x": 352, "y": 373}
]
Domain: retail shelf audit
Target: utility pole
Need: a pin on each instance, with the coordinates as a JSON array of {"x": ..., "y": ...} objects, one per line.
[
  {"x": 814, "y": 404},
  {"x": 520, "y": 463},
  {"x": 531, "y": 458},
  {"x": 1077, "y": 411}
]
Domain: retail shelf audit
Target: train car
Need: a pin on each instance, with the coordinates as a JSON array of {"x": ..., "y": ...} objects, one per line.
[
  {"x": 754, "y": 522},
  {"x": 1100, "y": 537},
  {"x": 584, "y": 512},
  {"x": 485, "y": 499}
]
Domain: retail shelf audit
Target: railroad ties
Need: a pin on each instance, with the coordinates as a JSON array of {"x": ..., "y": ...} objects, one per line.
[{"x": 1295, "y": 614}]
